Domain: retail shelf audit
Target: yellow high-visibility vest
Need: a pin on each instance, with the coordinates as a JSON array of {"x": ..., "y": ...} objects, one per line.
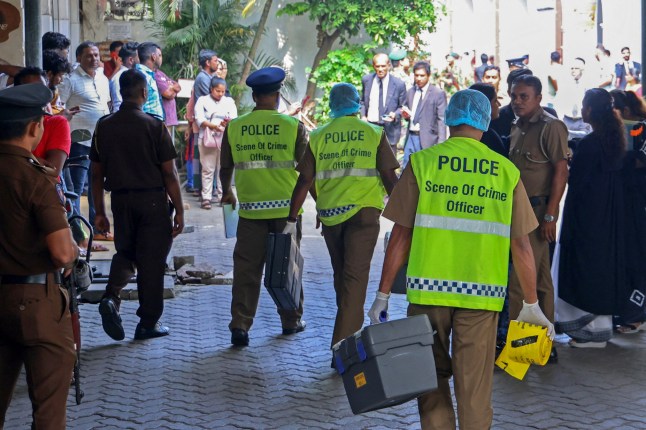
[
  {"x": 460, "y": 247},
  {"x": 263, "y": 144},
  {"x": 345, "y": 150}
]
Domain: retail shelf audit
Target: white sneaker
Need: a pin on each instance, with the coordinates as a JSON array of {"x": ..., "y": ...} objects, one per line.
[{"x": 586, "y": 344}]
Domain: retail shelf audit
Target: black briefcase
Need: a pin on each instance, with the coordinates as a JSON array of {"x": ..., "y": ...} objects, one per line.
[{"x": 283, "y": 270}]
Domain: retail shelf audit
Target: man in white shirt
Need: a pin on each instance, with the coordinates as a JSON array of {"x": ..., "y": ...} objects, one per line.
[
  {"x": 424, "y": 108},
  {"x": 382, "y": 97},
  {"x": 89, "y": 89},
  {"x": 128, "y": 55}
]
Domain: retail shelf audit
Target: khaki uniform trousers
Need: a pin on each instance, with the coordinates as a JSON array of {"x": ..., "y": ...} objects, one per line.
[
  {"x": 351, "y": 245},
  {"x": 470, "y": 362},
  {"x": 248, "y": 264},
  {"x": 36, "y": 330},
  {"x": 544, "y": 285},
  {"x": 210, "y": 161}
]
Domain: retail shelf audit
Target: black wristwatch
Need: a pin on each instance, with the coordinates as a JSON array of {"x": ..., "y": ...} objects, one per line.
[{"x": 291, "y": 219}]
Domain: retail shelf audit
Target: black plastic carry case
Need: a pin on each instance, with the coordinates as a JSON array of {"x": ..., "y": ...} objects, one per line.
[{"x": 284, "y": 270}]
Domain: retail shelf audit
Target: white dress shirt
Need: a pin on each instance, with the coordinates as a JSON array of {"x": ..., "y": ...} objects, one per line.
[
  {"x": 417, "y": 99},
  {"x": 373, "y": 107},
  {"x": 90, "y": 94}
]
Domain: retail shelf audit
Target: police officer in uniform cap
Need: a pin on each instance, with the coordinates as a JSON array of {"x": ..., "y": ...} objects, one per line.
[
  {"x": 35, "y": 244},
  {"x": 458, "y": 208},
  {"x": 263, "y": 146},
  {"x": 354, "y": 168}
]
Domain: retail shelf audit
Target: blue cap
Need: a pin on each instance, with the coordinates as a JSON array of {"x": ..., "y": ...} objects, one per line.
[
  {"x": 344, "y": 100},
  {"x": 266, "y": 80},
  {"x": 468, "y": 107},
  {"x": 24, "y": 101}
]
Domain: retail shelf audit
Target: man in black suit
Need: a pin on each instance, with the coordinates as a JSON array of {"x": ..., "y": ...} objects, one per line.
[
  {"x": 424, "y": 108},
  {"x": 626, "y": 70},
  {"x": 382, "y": 96}
]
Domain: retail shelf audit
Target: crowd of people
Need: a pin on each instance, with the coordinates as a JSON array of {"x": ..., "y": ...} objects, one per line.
[{"x": 476, "y": 214}]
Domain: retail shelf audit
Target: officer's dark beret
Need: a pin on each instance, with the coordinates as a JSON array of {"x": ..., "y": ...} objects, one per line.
[
  {"x": 24, "y": 101},
  {"x": 398, "y": 55},
  {"x": 266, "y": 80}
]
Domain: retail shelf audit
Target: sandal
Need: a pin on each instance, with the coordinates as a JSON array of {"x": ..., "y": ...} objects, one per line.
[
  {"x": 205, "y": 204},
  {"x": 97, "y": 247},
  {"x": 107, "y": 236},
  {"x": 631, "y": 328}
]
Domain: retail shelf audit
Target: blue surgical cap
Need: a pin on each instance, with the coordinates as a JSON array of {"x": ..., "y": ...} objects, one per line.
[
  {"x": 469, "y": 107},
  {"x": 344, "y": 100}
]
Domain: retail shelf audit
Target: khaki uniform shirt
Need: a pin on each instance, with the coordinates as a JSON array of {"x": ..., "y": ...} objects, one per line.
[
  {"x": 534, "y": 159},
  {"x": 32, "y": 209},
  {"x": 402, "y": 206}
]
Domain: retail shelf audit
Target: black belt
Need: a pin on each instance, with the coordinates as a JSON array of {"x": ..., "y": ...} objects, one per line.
[
  {"x": 41, "y": 278},
  {"x": 380, "y": 124},
  {"x": 414, "y": 133},
  {"x": 538, "y": 200},
  {"x": 138, "y": 190}
]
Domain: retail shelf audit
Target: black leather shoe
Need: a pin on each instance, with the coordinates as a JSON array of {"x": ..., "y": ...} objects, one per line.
[
  {"x": 299, "y": 328},
  {"x": 239, "y": 337},
  {"x": 190, "y": 189},
  {"x": 554, "y": 357},
  {"x": 143, "y": 333},
  {"x": 110, "y": 319}
]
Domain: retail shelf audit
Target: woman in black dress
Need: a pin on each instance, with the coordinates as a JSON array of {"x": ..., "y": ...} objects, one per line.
[{"x": 592, "y": 275}]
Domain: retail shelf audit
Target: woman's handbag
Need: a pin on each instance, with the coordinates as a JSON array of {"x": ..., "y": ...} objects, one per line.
[{"x": 212, "y": 138}]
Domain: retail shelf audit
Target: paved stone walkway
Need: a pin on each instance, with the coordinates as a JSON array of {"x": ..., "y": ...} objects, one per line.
[{"x": 194, "y": 379}]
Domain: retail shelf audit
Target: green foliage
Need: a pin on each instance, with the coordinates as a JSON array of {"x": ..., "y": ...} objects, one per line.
[
  {"x": 215, "y": 27},
  {"x": 383, "y": 20},
  {"x": 341, "y": 65}
]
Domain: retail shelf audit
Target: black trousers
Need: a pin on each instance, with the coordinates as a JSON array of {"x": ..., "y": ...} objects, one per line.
[{"x": 142, "y": 238}]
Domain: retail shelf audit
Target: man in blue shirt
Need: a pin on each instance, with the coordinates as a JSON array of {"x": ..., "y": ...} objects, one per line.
[{"x": 150, "y": 59}]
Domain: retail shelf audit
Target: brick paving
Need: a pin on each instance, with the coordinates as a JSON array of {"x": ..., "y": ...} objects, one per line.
[{"x": 194, "y": 379}]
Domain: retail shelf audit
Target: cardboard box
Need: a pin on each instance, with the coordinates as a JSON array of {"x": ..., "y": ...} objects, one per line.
[{"x": 387, "y": 364}]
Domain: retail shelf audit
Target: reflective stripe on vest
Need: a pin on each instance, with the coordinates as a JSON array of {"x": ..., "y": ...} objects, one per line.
[
  {"x": 461, "y": 224},
  {"x": 345, "y": 151},
  {"x": 326, "y": 213},
  {"x": 329, "y": 174},
  {"x": 273, "y": 204},
  {"x": 246, "y": 165},
  {"x": 457, "y": 287},
  {"x": 459, "y": 253}
]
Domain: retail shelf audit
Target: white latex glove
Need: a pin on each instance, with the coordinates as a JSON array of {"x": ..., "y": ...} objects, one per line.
[
  {"x": 378, "y": 306},
  {"x": 532, "y": 313},
  {"x": 290, "y": 228}
]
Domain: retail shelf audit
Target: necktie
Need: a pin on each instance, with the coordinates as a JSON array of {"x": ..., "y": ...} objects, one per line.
[
  {"x": 418, "y": 95},
  {"x": 381, "y": 99}
]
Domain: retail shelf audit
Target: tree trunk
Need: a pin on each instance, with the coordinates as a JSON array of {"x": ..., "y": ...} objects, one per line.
[
  {"x": 325, "y": 45},
  {"x": 246, "y": 70}
]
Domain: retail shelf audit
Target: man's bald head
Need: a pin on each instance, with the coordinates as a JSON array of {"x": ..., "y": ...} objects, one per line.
[{"x": 381, "y": 64}]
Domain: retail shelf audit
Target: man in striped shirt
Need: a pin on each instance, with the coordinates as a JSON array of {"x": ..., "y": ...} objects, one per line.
[{"x": 150, "y": 59}]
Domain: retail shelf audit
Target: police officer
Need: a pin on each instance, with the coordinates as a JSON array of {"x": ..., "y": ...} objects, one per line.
[
  {"x": 352, "y": 163},
  {"x": 133, "y": 156},
  {"x": 263, "y": 147},
  {"x": 458, "y": 209},
  {"x": 35, "y": 243},
  {"x": 539, "y": 149}
]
